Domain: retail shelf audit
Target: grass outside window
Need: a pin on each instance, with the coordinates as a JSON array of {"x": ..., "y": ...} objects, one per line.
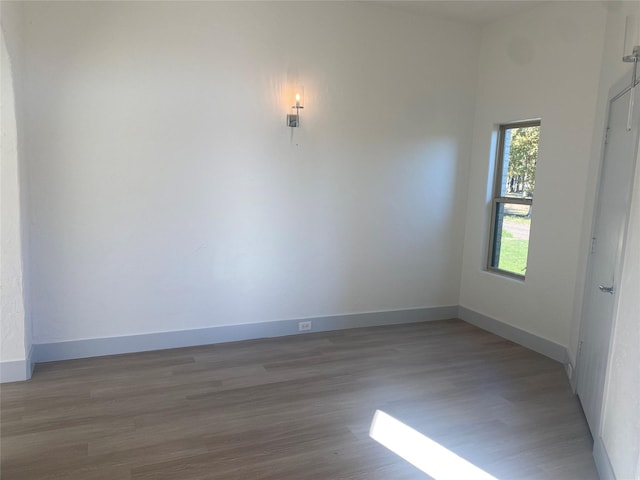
[{"x": 513, "y": 198}]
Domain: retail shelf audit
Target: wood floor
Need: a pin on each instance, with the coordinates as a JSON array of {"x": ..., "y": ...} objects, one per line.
[{"x": 297, "y": 408}]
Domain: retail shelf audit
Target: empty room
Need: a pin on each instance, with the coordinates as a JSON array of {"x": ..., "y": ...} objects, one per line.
[{"x": 320, "y": 240}]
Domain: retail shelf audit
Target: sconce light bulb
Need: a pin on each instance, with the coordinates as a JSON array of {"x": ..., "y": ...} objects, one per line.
[{"x": 297, "y": 97}]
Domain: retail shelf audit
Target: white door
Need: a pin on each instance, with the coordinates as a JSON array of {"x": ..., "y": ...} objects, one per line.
[{"x": 616, "y": 182}]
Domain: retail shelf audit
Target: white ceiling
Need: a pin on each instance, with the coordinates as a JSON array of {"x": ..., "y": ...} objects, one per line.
[{"x": 475, "y": 12}]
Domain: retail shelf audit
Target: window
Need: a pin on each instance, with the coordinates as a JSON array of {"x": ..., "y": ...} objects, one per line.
[{"x": 517, "y": 154}]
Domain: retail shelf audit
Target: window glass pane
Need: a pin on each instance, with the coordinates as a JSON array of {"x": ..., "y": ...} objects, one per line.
[
  {"x": 511, "y": 237},
  {"x": 519, "y": 158}
]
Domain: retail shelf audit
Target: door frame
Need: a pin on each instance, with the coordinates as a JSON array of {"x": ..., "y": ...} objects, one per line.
[{"x": 620, "y": 88}]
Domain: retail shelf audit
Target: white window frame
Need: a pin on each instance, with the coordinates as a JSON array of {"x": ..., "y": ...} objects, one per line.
[{"x": 498, "y": 199}]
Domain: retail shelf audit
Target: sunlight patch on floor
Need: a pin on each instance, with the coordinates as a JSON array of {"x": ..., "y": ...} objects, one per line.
[{"x": 422, "y": 452}]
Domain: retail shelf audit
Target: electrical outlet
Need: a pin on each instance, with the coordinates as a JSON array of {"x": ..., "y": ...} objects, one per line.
[{"x": 304, "y": 326}]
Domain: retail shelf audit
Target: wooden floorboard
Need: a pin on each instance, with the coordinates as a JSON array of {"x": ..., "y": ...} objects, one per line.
[{"x": 297, "y": 408}]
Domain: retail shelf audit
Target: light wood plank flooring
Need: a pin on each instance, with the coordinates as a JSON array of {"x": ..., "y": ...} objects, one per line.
[{"x": 298, "y": 408}]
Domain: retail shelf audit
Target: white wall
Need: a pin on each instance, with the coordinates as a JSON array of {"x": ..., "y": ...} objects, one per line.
[
  {"x": 543, "y": 63},
  {"x": 167, "y": 193},
  {"x": 15, "y": 331},
  {"x": 621, "y": 412}
]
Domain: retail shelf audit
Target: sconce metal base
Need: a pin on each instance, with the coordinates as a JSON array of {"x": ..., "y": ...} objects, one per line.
[
  {"x": 293, "y": 120},
  {"x": 634, "y": 57}
]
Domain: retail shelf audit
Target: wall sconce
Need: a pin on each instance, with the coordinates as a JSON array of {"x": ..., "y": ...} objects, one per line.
[
  {"x": 631, "y": 53},
  {"x": 293, "y": 119}
]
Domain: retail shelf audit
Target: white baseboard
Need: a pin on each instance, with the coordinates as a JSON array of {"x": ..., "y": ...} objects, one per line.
[
  {"x": 603, "y": 464},
  {"x": 533, "y": 342},
  {"x": 48, "y": 352},
  {"x": 571, "y": 374},
  {"x": 16, "y": 370},
  {"x": 95, "y": 347}
]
